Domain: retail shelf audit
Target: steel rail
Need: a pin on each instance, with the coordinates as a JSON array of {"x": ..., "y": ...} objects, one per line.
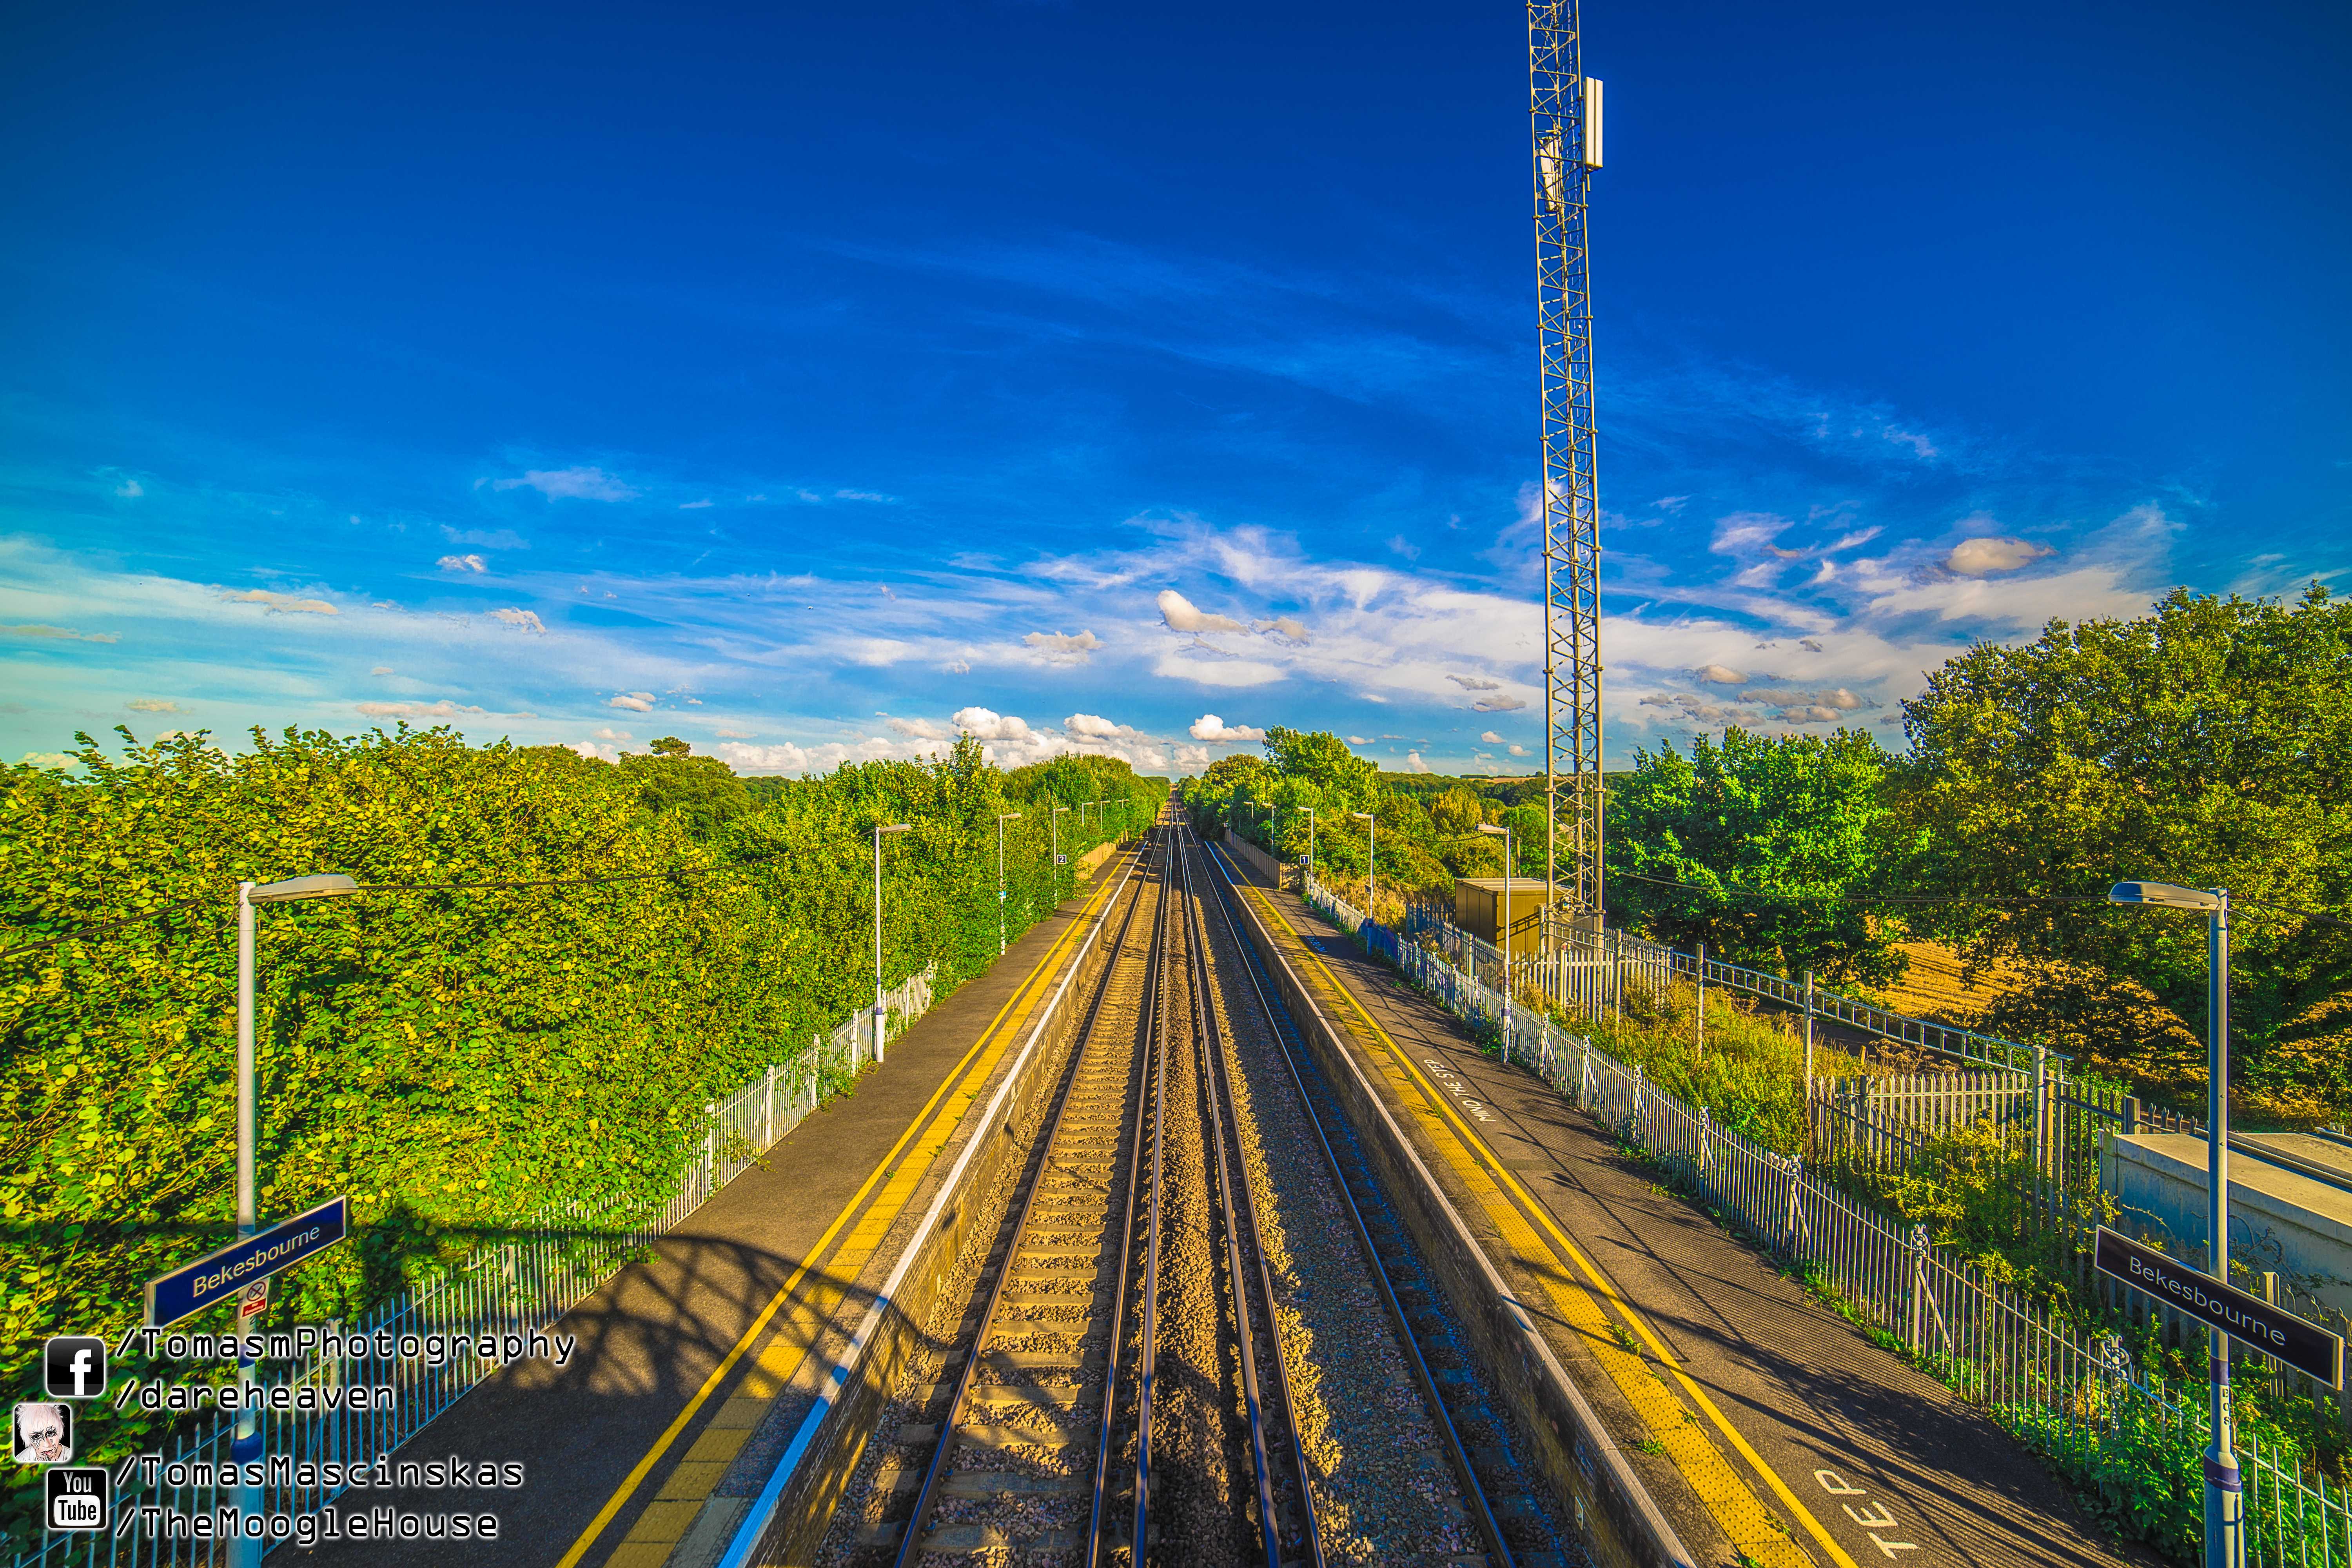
[
  {"x": 944, "y": 1449},
  {"x": 1147, "y": 1359},
  {"x": 1147, "y": 1011},
  {"x": 1217, "y": 1070},
  {"x": 1456, "y": 1454}
]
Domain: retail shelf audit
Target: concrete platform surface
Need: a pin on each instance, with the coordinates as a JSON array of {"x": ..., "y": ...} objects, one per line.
[{"x": 1845, "y": 1453}]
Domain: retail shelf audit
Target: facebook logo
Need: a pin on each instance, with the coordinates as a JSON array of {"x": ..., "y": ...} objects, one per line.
[{"x": 74, "y": 1367}]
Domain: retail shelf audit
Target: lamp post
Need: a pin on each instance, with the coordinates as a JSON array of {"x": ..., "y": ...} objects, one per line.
[
  {"x": 245, "y": 1443},
  {"x": 1510, "y": 864},
  {"x": 1002, "y": 819},
  {"x": 2225, "y": 1498},
  {"x": 1310, "y": 850},
  {"x": 1371, "y": 858},
  {"x": 881, "y": 1016}
]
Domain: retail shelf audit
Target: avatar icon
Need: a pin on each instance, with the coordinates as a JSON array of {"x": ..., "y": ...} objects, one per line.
[{"x": 42, "y": 1433}]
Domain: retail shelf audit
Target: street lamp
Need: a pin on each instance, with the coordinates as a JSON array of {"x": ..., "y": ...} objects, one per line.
[
  {"x": 1371, "y": 858},
  {"x": 881, "y": 1016},
  {"x": 1310, "y": 850},
  {"x": 2225, "y": 1502},
  {"x": 1002, "y": 819},
  {"x": 246, "y": 1442},
  {"x": 1504, "y": 946}
]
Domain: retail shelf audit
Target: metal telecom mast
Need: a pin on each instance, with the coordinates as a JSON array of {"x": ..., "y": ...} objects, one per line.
[{"x": 1564, "y": 117}]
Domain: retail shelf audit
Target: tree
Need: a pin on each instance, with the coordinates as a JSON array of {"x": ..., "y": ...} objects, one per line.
[
  {"x": 1756, "y": 846},
  {"x": 2207, "y": 743}
]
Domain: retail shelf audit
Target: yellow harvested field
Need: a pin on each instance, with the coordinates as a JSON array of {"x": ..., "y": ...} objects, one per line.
[{"x": 1932, "y": 986}]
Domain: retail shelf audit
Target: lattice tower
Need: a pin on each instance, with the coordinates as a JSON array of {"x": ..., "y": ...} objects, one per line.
[{"x": 1564, "y": 116}]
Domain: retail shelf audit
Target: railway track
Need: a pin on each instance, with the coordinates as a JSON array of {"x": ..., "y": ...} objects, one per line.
[{"x": 1171, "y": 1343}]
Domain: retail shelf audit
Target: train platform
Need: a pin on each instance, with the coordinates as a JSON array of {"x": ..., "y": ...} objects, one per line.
[
  {"x": 684, "y": 1358},
  {"x": 1768, "y": 1429}
]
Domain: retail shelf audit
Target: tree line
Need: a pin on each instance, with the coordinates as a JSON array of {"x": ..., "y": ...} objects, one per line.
[
  {"x": 496, "y": 1031},
  {"x": 2206, "y": 743}
]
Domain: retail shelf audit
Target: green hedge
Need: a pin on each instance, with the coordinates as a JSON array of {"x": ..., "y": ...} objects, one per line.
[{"x": 452, "y": 1061}]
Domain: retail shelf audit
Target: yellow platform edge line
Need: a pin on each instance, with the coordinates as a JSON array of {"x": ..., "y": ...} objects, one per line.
[
  {"x": 1567, "y": 1250},
  {"x": 1029, "y": 989}
]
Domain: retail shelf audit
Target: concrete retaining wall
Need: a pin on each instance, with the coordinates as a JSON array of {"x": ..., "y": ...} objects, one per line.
[{"x": 1263, "y": 867}]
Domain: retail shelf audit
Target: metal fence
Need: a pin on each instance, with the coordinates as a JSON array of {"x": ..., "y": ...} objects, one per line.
[
  {"x": 2066, "y": 1390},
  {"x": 518, "y": 1282}
]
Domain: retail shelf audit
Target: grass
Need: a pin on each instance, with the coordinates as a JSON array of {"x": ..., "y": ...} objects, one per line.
[{"x": 1748, "y": 1071}]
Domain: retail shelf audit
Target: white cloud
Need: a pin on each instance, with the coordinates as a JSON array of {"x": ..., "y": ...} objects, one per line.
[
  {"x": 864, "y": 495},
  {"x": 635, "y": 701},
  {"x": 55, "y": 634},
  {"x": 694, "y": 505},
  {"x": 286, "y": 604},
  {"x": 915, "y": 730},
  {"x": 985, "y": 724},
  {"x": 1359, "y": 739},
  {"x": 1284, "y": 626},
  {"x": 1095, "y": 727},
  {"x": 1919, "y": 444},
  {"x": 956, "y": 667},
  {"x": 1518, "y": 750},
  {"x": 610, "y": 734},
  {"x": 1497, "y": 705},
  {"x": 1721, "y": 674},
  {"x": 56, "y": 761},
  {"x": 733, "y": 734},
  {"x": 153, "y": 705},
  {"x": 1181, "y": 615},
  {"x": 1839, "y": 701},
  {"x": 1404, "y": 547},
  {"x": 1209, "y": 727},
  {"x": 1189, "y": 664},
  {"x": 445, "y": 708},
  {"x": 573, "y": 484},
  {"x": 1475, "y": 683},
  {"x": 1987, "y": 557},
  {"x": 1697, "y": 708},
  {"x": 1191, "y": 759},
  {"x": 1059, "y": 647},
  {"x": 130, "y": 490},
  {"x": 1415, "y": 764},
  {"x": 381, "y": 669},
  {"x": 526, "y": 619},
  {"x": 1491, "y": 738}
]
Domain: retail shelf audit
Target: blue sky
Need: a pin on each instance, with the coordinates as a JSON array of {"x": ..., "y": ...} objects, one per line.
[{"x": 808, "y": 383}]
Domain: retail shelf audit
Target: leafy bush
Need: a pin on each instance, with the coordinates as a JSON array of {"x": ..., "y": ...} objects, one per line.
[{"x": 452, "y": 1061}]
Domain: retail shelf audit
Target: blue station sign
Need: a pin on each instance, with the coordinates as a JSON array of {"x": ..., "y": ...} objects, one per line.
[{"x": 222, "y": 1275}]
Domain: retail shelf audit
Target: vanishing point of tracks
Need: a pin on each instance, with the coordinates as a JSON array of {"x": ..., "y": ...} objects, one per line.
[{"x": 1199, "y": 1327}]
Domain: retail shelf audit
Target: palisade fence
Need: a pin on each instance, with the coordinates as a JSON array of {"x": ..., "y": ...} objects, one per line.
[
  {"x": 2073, "y": 1394},
  {"x": 517, "y": 1281}
]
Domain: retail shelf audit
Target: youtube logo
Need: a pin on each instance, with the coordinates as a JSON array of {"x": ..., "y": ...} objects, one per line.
[{"x": 73, "y": 1366}]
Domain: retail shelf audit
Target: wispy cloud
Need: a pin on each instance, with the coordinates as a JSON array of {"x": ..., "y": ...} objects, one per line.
[
  {"x": 570, "y": 484},
  {"x": 54, "y": 634},
  {"x": 281, "y": 604}
]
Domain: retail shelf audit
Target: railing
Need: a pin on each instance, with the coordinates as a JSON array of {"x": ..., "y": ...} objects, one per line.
[
  {"x": 518, "y": 1282},
  {"x": 2054, "y": 1385}
]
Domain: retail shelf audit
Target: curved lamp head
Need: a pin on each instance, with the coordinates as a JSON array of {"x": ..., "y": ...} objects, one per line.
[
  {"x": 2165, "y": 895},
  {"x": 1489, "y": 827},
  {"x": 1361, "y": 816},
  {"x": 332, "y": 885}
]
